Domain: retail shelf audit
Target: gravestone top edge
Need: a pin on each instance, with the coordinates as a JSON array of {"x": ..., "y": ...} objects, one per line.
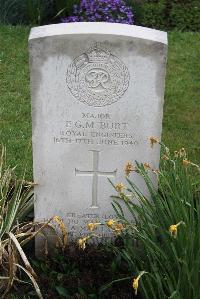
[{"x": 98, "y": 28}]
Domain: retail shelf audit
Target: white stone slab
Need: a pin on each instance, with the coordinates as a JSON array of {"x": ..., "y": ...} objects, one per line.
[{"x": 97, "y": 95}]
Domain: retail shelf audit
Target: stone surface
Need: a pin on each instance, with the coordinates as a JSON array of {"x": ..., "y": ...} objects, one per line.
[{"x": 97, "y": 95}]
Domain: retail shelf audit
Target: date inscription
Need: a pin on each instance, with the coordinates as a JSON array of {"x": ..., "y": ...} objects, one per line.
[{"x": 96, "y": 129}]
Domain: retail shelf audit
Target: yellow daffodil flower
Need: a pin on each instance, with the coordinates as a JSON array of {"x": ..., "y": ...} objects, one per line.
[
  {"x": 110, "y": 223},
  {"x": 182, "y": 152},
  {"x": 82, "y": 243},
  {"x": 118, "y": 227},
  {"x": 135, "y": 283},
  {"x": 186, "y": 163},
  {"x": 92, "y": 226},
  {"x": 119, "y": 187},
  {"x": 153, "y": 140},
  {"x": 165, "y": 157},
  {"x": 128, "y": 168},
  {"x": 63, "y": 229},
  {"x": 173, "y": 229},
  {"x": 147, "y": 166}
]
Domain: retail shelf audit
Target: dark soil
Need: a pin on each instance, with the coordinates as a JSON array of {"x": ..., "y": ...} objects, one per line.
[{"x": 78, "y": 274}]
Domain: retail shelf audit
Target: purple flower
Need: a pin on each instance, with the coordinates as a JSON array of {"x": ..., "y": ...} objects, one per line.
[{"x": 113, "y": 11}]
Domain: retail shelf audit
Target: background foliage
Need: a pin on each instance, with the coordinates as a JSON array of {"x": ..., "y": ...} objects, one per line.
[
  {"x": 34, "y": 12},
  {"x": 159, "y": 14},
  {"x": 169, "y": 14}
]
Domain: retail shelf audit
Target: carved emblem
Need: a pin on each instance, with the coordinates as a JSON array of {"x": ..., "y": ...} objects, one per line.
[{"x": 97, "y": 77}]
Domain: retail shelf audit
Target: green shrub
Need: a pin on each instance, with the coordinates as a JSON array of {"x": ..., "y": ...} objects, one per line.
[
  {"x": 11, "y": 12},
  {"x": 169, "y": 14},
  {"x": 33, "y": 12},
  {"x": 185, "y": 17},
  {"x": 153, "y": 16}
]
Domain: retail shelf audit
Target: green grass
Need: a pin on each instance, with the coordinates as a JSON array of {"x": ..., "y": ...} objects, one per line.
[
  {"x": 15, "y": 105},
  {"x": 181, "y": 110}
]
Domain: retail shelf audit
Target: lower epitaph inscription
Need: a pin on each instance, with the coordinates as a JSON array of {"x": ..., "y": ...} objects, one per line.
[{"x": 77, "y": 224}]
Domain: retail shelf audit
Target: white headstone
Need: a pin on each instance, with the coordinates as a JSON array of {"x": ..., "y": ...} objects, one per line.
[{"x": 97, "y": 95}]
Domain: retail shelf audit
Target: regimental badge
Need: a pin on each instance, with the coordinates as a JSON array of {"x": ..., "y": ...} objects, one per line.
[{"x": 97, "y": 77}]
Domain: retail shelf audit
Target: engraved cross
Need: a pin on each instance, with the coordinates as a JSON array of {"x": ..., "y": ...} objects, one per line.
[{"x": 95, "y": 173}]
